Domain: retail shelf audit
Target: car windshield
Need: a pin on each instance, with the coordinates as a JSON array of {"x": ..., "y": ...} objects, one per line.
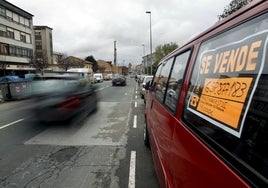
[{"x": 53, "y": 84}]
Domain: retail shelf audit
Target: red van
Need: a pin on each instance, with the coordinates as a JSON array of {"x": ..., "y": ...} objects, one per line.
[{"x": 207, "y": 107}]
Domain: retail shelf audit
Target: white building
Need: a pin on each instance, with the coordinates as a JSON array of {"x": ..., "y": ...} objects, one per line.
[{"x": 16, "y": 39}]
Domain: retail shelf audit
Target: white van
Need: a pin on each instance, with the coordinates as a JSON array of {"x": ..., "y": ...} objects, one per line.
[
  {"x": 98, "y": 77},
  {"x": 86, "y": 72}
]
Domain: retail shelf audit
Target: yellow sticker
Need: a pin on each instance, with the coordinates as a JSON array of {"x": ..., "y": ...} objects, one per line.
[{"x": 227, "y": 88}]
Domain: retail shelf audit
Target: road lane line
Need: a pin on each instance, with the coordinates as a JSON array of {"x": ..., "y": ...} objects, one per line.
[
  {"x": 135, "y": 121},
  {"x": 135, "y": 104},
  {"x": 12, "y": 123},
  {"x": 132, "y": 170},
  {"x": 136, "y": 97}
]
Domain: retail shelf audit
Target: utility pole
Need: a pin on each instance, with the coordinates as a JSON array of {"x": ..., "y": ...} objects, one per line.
[{"x": 115, "y": 53}]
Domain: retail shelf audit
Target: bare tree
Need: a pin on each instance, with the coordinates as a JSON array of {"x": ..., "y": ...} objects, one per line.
[
  {"x": 61, "y": 63},
  {"x": 39, "y": 61}
]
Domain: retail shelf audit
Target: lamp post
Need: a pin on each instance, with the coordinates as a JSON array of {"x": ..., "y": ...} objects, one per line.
[
  {"x": 151, "y": 52},
  {"x": 144, "y": 62}
]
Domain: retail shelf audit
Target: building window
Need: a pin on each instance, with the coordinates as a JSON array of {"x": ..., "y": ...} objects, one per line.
[
  {"x": 18, "y": 51},
  {"x": 2, "y": 11},
  {"x": 37, "y": 33},
  {"x": 2, "y": 31},
  {"x": 10, "y": 33},
  {"x": 4, "y": 49},
  {"x": 28, "y": 38},
  {"x": 27, "y": 22},
  {"x": 12, "y": 50},
  {"x": 22, "y": 20},
  {"x": 9, "y": 15},
  {"x": 16, "y": 18},
  {"x": 22, "y": 37}
]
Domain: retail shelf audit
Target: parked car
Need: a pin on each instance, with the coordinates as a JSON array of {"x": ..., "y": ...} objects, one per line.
[
  {"x": 108, "y": 77},
  {"x": 119, "y": 80},
  {"x": 133, "y": 75},
  {"x": 139, "y": 78},
  {"x": 143, "y": 82},
  {"x": 61, "y": 98},
  {"x": 206, "y": 110},
  {"x": 97, "y": 77},
  {"x": 146, "y": 90}
]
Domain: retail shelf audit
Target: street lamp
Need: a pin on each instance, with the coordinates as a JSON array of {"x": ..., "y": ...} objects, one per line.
[
  {"x": 149, "y": 12},
  {"x": 144, "y": 62}
]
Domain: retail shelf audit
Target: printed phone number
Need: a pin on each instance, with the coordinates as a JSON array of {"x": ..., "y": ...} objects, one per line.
[{"x": 228, "y": 88}]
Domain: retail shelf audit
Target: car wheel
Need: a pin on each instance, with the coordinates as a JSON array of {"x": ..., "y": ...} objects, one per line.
[{"x": 146, "y": 137}]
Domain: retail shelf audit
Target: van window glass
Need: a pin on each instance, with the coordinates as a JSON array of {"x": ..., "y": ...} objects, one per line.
[
  {"x": 227, "y": 102},
  {"x": 162, "y": 79},
  {"x": 175, "y": 81}
]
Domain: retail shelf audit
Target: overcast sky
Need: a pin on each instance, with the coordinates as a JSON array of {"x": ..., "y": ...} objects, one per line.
[{"x": 90, "y": 27}]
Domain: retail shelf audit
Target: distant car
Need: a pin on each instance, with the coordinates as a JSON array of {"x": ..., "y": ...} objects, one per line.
[
  {"x": 98, "y": 77},
  {"x": 143, "y": 82},
  {"x": 108, "y": 77},
  {"x": 61, "y": 98},
  {"x": 133, "y": 75},
  {"x": 119, "y": 80}
]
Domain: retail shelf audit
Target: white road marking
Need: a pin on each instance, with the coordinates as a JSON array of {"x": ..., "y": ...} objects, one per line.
[
  {"x": 136, "y": 97},
  {"x": 135, "y": 121},
  {"x": 12, "y": 123},
  {"x": 132, "y": 170},
  {"x": 135, "y": 105}
]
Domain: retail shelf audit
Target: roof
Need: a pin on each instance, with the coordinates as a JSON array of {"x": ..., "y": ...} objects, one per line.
[{"x": 15, "y": 9}]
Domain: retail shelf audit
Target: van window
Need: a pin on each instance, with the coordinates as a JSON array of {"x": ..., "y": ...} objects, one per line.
[
  {"x": 175, "y": 81},
  {"x": 227, "y": 101},
  {"x": 161, "y": 79}
]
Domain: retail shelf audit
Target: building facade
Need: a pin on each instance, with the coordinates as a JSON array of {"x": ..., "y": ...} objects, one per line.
[
  {"x": 44, "y": 44},
  {"x": 16, "y": 40}
]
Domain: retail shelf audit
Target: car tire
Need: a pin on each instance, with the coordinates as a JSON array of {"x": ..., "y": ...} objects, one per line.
[{"x": 146, "y": 137}]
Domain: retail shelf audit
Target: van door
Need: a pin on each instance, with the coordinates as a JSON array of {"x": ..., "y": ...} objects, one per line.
[{"x": 163, "y": 105}]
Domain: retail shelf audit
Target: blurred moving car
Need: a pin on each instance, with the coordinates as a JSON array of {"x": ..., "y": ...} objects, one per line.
[
  {"x": 143, "y": 82},
  {"x": 119, "y": 80},
  {"x": 62, "y": 97}
]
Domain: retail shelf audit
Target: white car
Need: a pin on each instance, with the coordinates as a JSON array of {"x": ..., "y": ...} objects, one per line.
[
  {"x": 98, "y": 77},
  {"x": 144, "y": 80}
]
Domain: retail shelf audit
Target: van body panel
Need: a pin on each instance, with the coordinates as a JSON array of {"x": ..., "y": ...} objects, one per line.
[
  {"x": 162, "y": 125},
  {"x": 191, "y": 148},
  {"x": 198, "y": 166}
]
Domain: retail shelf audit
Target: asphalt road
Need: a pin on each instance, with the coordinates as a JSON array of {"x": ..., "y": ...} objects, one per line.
[{"x": 104, "y": 149}]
